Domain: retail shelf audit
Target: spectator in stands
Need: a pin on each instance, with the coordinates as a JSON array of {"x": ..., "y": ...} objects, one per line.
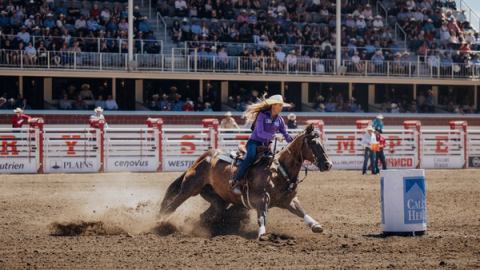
[
  {"x": 177, "y": 103},
  {"x": 292, "y": 121},
  {"x": 394, "y": 108},
  {"x": 65, "y": 103},
  {"x": 111, "y": 104},
  {"x": 228, "y": 121},
  {"x": 80, "y": 104},
  {"x": 99, "y": 102},
  {"x": 85, "y": 92},
  {"x": 3, "y": 103},
  {"x": 208, "y": 107},
  {"x": 367, "y": 140},
  {"x": 380, "y": 155},
  {"x": 377, "y": 123},
  {"x": 164, "y": 104},
  {"x": 188, "y": 106},
  {"x": 19, "y": 118}
]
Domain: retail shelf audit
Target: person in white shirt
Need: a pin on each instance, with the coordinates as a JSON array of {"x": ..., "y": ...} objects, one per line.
[
  {"x": 228, "y": 121},
  {"x": 367, "y": 140},
  {"x": 111, "y": 104}
]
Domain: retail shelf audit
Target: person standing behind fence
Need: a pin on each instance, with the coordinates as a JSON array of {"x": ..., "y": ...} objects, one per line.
[
  {"x": 96, "y": 117},
  {"x": 377, "y": 123},
  {"x": 19, "y": 118},
  {"x": 292, "y": 121},
  {"x": 368, "y": 140},
  {"x": 228, "y": 121},
  {"x": 380, "y": 155}
]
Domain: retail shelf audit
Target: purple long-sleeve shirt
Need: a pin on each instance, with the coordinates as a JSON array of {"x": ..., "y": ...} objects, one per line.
[{"x": 266, "y": 128}]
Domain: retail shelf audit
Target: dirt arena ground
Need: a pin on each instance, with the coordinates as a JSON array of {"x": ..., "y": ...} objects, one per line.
[{"x": 122, "y": 208}]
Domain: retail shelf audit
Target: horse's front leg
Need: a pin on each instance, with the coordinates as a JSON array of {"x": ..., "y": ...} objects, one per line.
[
  {"x": 262, "y": 209},
  {"x": 296, "y": 208}
]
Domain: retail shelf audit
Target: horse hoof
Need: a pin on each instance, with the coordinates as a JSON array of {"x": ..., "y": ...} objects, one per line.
[
  {"x": 263, "y": 237},
  {"x": 317, "y": 228}
]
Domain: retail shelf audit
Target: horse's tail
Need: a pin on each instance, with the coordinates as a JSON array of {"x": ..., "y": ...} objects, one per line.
[{"x": 175, "y": 187}]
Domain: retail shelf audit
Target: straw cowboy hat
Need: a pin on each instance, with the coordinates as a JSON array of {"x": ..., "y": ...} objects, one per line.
[
  {"x": 276, "y": 99},
  {"x": 291, "y": 116},
  {"x": 380, "y": 116},
  {"x": 18, "y": 110},
  {"x": 228, "y": 114},
  {"x": 98, "y": 109}
]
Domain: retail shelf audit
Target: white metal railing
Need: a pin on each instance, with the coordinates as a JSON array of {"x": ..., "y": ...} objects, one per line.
[
  {"x": 160, "y": 19},
  {"x": 198, "y": 62}
]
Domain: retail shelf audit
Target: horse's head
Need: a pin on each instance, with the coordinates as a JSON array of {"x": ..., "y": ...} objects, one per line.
[{"x": 314, "y": 151}]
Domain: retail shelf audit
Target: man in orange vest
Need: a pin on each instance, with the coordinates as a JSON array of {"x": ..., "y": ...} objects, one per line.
[
  {"x": 19, "y": 118},
  {"x": 380, "y": 155}
]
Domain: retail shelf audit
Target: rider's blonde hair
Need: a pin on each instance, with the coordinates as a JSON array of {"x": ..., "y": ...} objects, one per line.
[{"x": 252, "y": 110}]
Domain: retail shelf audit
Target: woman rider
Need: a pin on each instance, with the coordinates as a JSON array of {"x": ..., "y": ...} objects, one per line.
[{"x": 266, "y": 119}]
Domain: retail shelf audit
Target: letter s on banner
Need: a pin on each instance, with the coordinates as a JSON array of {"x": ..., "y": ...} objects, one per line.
[
  {"x": 186, "y": 146},
  {"x": 440, "y": 145}
]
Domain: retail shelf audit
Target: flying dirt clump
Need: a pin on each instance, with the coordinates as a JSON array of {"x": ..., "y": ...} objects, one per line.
[{"x": 84, "y": 228}]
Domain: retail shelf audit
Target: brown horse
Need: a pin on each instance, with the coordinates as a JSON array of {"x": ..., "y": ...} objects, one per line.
[{"x": 265, "y": 188}]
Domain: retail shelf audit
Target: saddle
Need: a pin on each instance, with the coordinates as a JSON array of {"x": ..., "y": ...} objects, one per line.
[
  {"x": 235, "y": 157},
  {"x": 263, "y": 154}
]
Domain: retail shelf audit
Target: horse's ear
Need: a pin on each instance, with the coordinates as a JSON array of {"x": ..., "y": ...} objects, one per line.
[{"x": 309, "y": 129}]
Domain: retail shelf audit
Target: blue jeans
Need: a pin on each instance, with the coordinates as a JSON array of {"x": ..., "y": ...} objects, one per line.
[
  {"x": 369, "y": 154},
  {"x": 248, "y": 160},
  {"x": 380, "y": 156}
]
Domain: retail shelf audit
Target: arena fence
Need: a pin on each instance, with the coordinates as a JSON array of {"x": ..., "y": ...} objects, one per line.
[{"x": 157, "y": 148}]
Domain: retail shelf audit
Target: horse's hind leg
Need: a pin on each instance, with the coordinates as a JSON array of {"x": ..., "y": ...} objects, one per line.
[
  {"x": 217, "y": 205},
  {"x": 296, "y": 208},
  {"x": 191, "y": 185}
]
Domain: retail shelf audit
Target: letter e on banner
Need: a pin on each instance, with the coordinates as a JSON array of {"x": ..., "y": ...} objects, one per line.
[
  {"x": 186, "y": 146},
  {"x": 71, "y": 144},
  {"x": 441, "y": 147},
  {"x": 347, "y": 143},
  {"x": 6, "y": 144}
]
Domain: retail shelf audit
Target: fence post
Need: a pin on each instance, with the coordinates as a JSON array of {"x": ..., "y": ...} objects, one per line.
[
  {"x": 213, "y": 125},
  {"x": 101, "y": 61},
  {"x": 21, "y": 59},
  {"x": 99, "y": 126},
  {"x": 173, "y": 59},
  {"x": 157, "y": 123},
  {"x": 462, "y": 126},
  {"x": 48, "y": 59},
  {"x": 238, "y": 64},
  {"x": 37, "y": 124},
  {"x": 416, "y": 126},
  {"x": 75, "y": 60}
]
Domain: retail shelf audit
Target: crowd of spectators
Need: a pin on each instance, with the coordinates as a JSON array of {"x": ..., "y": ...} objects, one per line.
[
  {"x": 336, "y": 103},
  {"x": 36, "y": 27},
  {"x": 245, "y": 97},
  {"x": 11, "y": 103},
  {"x": 438, "y": 31},
  {"x": 84, "y": 98},
  {"x": 174, "y": 101},
  {"x": 292, "y": 33}
]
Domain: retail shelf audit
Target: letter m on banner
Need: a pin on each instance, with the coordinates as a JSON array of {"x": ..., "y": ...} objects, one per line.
[
  {"x": 8, "y": 141},
  {"x": 346, "y": 144}
]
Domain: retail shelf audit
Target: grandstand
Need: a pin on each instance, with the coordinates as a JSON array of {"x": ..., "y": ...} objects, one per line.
[{"x": 415, "y": 56}]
